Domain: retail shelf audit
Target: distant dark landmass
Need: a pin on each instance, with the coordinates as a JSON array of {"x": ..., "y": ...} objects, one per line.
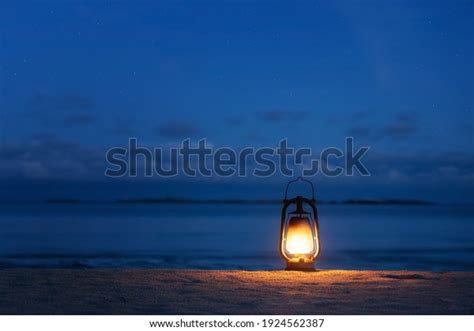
[
  {"x": 198, "y": 201},
  {"x": 184, "y": 201},
  {"x": 171, "y": 200},
  {"x": 63, "y": 201},
  {"x": 387, "y": 202}
]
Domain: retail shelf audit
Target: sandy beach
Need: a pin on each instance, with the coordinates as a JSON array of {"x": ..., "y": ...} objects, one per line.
[{"x": 157, "y": 291}]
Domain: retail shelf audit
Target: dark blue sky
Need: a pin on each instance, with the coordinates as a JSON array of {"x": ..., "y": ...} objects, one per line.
[{"x": 79, "y": 77}]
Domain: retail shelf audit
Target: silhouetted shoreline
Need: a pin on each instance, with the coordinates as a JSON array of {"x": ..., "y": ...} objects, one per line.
[
  {"x": 272, "y": 202},
  {"x": 184, "y": 201}
]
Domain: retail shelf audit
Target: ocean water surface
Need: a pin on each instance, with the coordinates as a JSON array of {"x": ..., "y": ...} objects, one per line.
[{"x": 412, "y": 237}]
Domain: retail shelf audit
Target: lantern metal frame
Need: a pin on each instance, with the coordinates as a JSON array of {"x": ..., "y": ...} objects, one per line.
[{"x": 300, "y": 201}]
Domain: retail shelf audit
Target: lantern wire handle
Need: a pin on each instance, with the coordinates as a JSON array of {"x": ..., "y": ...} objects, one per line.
[{"x": 294, "y": 181}]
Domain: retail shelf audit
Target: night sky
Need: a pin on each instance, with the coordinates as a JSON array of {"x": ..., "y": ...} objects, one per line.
[{"x": 79, "y": 77}]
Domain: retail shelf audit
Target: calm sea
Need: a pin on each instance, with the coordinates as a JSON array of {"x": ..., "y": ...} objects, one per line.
[{"x": 232, "y": 236}]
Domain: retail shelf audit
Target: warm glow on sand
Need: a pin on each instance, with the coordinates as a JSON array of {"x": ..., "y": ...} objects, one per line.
[{"x": 299, "y": 239}]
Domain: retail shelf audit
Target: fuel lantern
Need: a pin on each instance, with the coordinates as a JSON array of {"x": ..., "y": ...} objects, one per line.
[{"x": 299, "y": 238}]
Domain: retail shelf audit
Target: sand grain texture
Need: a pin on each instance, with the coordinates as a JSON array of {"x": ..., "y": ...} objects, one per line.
[{"x": 156, "y": 291}]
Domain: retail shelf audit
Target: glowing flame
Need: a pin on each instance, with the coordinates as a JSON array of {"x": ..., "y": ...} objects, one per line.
[{"x": 299, "y": 239}]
